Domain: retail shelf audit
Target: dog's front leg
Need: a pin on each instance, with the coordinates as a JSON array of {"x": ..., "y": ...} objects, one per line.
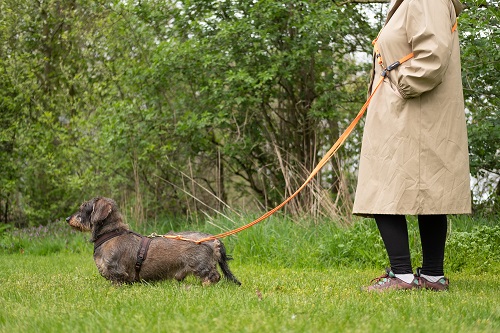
[
  {"x": 112, "y": 270},
  {"x": 119, "y": 274}
]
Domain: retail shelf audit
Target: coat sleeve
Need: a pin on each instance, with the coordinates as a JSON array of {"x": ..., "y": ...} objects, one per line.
[{"x": 428, "y": 28}]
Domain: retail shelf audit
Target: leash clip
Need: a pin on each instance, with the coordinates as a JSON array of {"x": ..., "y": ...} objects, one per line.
[
  {"x": 390, "y": 68},
  {"x": 393, "y": 65}
]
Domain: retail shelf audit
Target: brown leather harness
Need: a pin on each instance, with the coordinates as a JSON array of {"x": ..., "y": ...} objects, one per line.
[{"x": 141, "y": 253}]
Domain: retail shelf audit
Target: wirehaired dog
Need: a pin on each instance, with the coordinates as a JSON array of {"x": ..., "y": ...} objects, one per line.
[{"x": 124, "y": 256}]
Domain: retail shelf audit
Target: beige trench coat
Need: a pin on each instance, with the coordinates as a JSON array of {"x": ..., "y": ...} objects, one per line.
[{"x": 414, "y": 155}]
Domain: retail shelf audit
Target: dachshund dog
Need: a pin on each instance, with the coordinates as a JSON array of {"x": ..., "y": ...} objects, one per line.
[{"x": 124, "y": 256}]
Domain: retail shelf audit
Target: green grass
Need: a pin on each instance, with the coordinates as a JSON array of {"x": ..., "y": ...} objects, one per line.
[
  {"x": 296, "y": 278},
  {"x": 63, "y": 293}
]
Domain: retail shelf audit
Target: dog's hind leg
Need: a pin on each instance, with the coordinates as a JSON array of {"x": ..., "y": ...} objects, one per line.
[
  {"x": 211, "y": 278},
  {"x": 207, "y": 272},
  {"x": 181, "y": 274}
]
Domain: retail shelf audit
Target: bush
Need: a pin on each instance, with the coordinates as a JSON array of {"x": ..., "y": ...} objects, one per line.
[
  {"x": 358, "y": 246},
  {"x": 478, "y": 250}
]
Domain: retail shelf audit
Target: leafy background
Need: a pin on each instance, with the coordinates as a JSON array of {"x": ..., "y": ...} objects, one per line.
[{"x": 193, "y": 108}]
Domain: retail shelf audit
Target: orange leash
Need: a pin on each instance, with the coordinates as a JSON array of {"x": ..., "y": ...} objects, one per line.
[
  {"x": 325, "y": 159},
  {"x": 320, "y": 165}
]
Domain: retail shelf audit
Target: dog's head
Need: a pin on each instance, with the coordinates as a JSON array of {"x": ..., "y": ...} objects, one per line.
[{"x": 91, "y": 213}]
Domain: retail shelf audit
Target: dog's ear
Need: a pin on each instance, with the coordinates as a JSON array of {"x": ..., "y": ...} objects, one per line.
[{"x": 101, "y": 210}]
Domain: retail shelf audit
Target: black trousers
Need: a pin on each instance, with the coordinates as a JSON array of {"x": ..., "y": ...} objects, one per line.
[{"x": 394, "y": 232}]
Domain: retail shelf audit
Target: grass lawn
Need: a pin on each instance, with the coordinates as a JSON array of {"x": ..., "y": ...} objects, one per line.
[{"x": 62, "y": 292}]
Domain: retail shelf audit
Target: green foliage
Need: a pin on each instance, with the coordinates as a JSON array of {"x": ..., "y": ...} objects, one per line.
[
  {"x": 41, "y": 66},
  {"x": 44, "y": 240},
  {"x": 174, "y": 108},
  {"x": 5, "y": 237},
  {"x": 359, "y": 246},
  {"x": 480, "y": 37},
  {"x": 478, "y": 250},
  {"x": 288, "y": 244},
  {"x": 198, "y": 92}
]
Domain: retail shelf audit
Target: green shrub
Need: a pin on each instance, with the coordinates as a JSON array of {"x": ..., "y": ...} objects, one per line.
[
  {"x": 477, "y": 250},
  {"x": 359, "y": 245}
]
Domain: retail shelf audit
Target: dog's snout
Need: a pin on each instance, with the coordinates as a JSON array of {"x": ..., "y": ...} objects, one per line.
[{"x": 68, "y": 218}]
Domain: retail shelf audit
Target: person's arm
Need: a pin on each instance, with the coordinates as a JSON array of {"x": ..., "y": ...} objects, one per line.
[{"x": 429, "y": 32}]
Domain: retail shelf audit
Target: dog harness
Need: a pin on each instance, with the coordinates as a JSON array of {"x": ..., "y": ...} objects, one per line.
[
  {"x": 106, "y": 237},
  {"x": 141, "y": 253}
]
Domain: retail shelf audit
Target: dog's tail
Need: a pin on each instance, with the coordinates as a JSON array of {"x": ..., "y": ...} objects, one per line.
[{"x": 223, "y": 259}]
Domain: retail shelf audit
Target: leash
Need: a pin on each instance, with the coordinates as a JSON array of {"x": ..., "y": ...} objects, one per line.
[
  {"x": 320, "y": 165},
  {"x": 328, "y": 155}
]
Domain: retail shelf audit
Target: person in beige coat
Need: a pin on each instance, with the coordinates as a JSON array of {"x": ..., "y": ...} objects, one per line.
[{"x": 414, "y": 155}]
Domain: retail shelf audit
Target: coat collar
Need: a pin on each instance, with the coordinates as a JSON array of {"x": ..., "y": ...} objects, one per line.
[
  {"x": 458, "y": 6},
  {"x": 393, "y": 10},
  {"x": 456, "y": 3}
]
